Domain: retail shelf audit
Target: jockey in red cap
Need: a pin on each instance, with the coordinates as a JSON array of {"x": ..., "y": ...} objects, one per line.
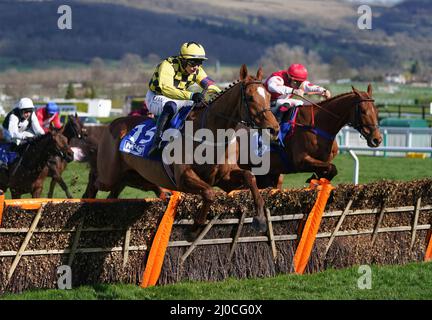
[{"x": 283, "y": 85}]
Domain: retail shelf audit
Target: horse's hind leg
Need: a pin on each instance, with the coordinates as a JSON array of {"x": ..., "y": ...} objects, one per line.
[
  {"x": 320, "y": 168},
  {"x": 115, "y": 192}
]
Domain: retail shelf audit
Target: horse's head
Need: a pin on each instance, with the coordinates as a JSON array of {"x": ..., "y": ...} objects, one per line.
[
  {"x": 364, "y": 117},
  {"x": 74, "y": 128},
  {"x": 257, "y": 101},
  {"x": 59, "y": 145}
]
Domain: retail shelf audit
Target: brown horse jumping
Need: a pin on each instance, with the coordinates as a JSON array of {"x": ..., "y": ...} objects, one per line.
[
  {"x": 33, "y": 158},
  {"x": 312, "y": 147},
  {"x": 246, "y": 101}
]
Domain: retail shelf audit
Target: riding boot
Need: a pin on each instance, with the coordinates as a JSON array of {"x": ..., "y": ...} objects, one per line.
[
  {"x": 286, "y": 111},
  {"x": 276, "y": 112},
  {"x": 285, "y": 116},
  {"x": 4, "y": 166},
  {"x": 162, "y": 122}
]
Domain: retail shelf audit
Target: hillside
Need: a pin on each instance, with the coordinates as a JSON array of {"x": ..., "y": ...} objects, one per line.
[{"x": 233, "y": 31}]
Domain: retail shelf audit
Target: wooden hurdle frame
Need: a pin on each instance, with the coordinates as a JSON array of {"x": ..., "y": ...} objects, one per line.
[
  {"x": 126, "y": 248},
  {"x": 305, "y": 238}
]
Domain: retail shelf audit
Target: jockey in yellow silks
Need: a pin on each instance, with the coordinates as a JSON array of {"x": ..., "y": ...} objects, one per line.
[
  {"x": 284, "y": 85},
  {"x": 168, "y": 86}
]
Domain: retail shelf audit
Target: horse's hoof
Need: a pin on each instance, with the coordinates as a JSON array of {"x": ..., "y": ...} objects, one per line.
[
  {"x": 168, "y": 195},
  {"x": 194, "y": 232},
  {"x": 314, "y": 176},
  {"x": 259, "y": 224}
]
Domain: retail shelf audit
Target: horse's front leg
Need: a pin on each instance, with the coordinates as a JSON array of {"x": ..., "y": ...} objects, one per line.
[
  {"x": 63, "y": 185},
  {"x": 51, "y": 188},
  {"x": 238, "y": 178},
  {"x": 321, "y": 168},
  {"x": 91, "y": 189},
  {"x": 190, "y": 182},
  {"x": 15, "y": 194}
]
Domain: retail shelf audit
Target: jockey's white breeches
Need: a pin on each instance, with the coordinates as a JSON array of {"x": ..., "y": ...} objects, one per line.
[
  {"x": 156, "y": 102},
  {"x": 292, "y": 102}
]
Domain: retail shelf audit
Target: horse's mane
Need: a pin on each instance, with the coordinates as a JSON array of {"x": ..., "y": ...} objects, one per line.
[
  {"x": 230, "y": 86},
  {"x": 224, "y": 90},
  {"x": 31, "y": 141}
]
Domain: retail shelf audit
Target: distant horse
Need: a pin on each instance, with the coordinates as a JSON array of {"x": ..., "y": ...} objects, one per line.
[
  {"x": 56, "y": 165},
  {"x": 245, "y": 102},
  {"x": 311, "y": 147},
  {"x": 33, "y": 156}
]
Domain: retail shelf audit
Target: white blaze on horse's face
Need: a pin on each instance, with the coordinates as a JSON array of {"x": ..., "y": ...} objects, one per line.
[{"x": 261, "y": 92}]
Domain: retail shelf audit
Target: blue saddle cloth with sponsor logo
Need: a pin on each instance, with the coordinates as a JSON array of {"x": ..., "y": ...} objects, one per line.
[
  {"x": 140, "y": 139},
  {"x": 7, "y": 156}
]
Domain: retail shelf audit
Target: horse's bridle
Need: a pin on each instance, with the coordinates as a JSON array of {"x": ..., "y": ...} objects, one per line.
[
  {"x": 249, "y": 122},
  {"x": 358, "y": 123},
  {"x": 75, "y": 131}
]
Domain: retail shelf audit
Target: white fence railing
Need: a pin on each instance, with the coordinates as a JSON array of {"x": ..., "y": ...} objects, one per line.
[
  {"x": 393, "y": 137},
  {"x": 396, "y": 142}
]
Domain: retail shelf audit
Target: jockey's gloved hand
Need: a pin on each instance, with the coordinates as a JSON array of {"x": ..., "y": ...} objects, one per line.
[
  {"x": 197, "y": 97},
  {"x": 299, "y": 92},
  {"x": 327, "y": 94}
]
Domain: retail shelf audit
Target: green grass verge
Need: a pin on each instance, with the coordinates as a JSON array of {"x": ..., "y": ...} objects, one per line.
[
  {"x": 411, "y": 281},
  {"x": 371, "y": 169}
]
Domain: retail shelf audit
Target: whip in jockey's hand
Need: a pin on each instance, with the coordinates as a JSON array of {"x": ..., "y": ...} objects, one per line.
[{"x": 285, "y": 85}]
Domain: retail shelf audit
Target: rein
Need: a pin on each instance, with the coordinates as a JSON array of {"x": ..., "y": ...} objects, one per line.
[
  {"x": 249, "y": 122},
  {"x": 357, "y": 123}
]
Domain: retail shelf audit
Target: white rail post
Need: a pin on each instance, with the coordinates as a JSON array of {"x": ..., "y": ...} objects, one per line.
[{"x": 356, "y": 167}]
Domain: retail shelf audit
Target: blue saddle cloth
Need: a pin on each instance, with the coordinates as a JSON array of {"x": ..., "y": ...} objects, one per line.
[
  {"x": 285, "y": 127},
  {"x": 140, "y": 139},
  {"x": 6, "y": 155}
]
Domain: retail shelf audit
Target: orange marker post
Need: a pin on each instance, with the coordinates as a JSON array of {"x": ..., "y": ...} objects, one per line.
[
  {"x": 2, "y": 196},
  {"x": 160, "y": 244},
  {"x": 428, "y": 254},
  {"x": 304, "y": 248}
]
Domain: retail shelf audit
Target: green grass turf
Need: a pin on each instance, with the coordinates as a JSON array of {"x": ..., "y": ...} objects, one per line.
[
  {"x": 371, "y": 169},
  {"x": 411, "y": 281}
]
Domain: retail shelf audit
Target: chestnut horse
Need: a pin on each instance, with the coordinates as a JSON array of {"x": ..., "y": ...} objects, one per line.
[
  {"x": 245, "y": 102},
  {"x": 33, "y": 156},
  {"x": 312, "y": 147},
  {"x": 130, "y": 178}
]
